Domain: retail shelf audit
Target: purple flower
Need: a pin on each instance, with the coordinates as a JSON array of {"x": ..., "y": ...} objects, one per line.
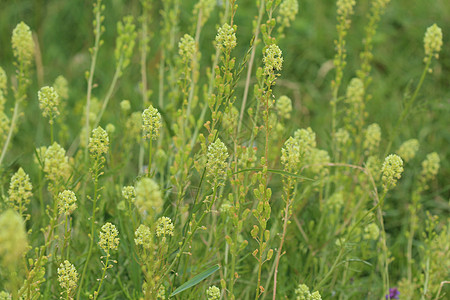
[{"x": 393, "y": 293}]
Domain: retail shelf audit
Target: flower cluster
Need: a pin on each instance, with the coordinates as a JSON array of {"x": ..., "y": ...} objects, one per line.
[
  {"x": 186, "y": 48},
  {"x": 291, "y": 154},
  {"x": 284, "y": 107},
  {"x": 318, "y": 160},
  {"x": 391, "y": 171},
  {"x": 306, "y": 138},
  {"x": 49, "y": 102},
  {"x": 355, "y": 91},
  {"x": 61, "y": 87},
  {"x": 125, "y": 105},
  {"x": 134, "y": 125},
  {"x": 408, "y": 149},
  {"x": 206, "y": 7},
  {"x": 226, "y": 38},
  {"x": 287, "y": 12},
  {"x": 13, "y": 238},
  {"x": 151, "y": 123},
  {"x": 164, "y": 226},
  {"x": 345, "y": 7},
  {"x": 20, "y": 191},
  {"x": 143, "y": 236},
  {"x": 110, "y": 128},
  {"x": 23, "y": 44},
  {"x": 67, "y": 202},
  {"x": 148, "y": 197},
  {"x": 125, "y": 41},
  {"x": 372, "y": 138},
  {"x": 213, "y": 293},
  {"x": 129, "y": 193},
  {"x": 430, "y": 167},
  {"x": 98, "y": 143},
  {"x": 68, "y": 278},
  {"x": 373, "y": 164},
  {"x": 216, "y": 164},
  {"x": 273, "y": 61},
  {"x": 56, "y": 163},
  {"x": 302, "y": 293},
  {"x": 432, "y": 42},
  {"x": 371, "y": 232},
  {"x": 108, "y": 237},
  {"x": 342, "y": 138}
]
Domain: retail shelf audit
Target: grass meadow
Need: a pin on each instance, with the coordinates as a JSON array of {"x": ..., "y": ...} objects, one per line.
[{"x": 224, "y": 149}]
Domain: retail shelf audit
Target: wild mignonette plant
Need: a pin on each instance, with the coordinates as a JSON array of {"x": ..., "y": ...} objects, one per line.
[{"x": 188, "y": 164}]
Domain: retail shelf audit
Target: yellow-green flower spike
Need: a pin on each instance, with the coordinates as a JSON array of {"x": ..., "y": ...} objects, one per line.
[
  {"x": 408, "y": 149},
  {"x": 143, "y": 237},
  {"x": 432, "y": 42},
  {"x": 67, "y": 202},
  {"x": 287, "y": 12},
  {"x": 109, "y": 237},
  {"x": 148, "y": 197},
  {"x": 151, "y": 123},
  {"x": 49, "y": 102},
  {"x": 164, "y": 226},
  {"x": 20, "y": 191},
  {"x": 216, "y": 164},
  {"x": 284, "y": 107},
  {"x": 273, "y": 61},
  {"x": 186, "y": 48},
  {"x": 391, "y": 171},
  {"x": 68, "y": 278},
  {"x": 213, "y": 293},
  {"x": 226, "y": 38},
  {"x": 23, "y": 44},
  {"x": 98, "y": 142},
  {"x": 13, "y": 238},
  {"x": 62, "y": 87}
]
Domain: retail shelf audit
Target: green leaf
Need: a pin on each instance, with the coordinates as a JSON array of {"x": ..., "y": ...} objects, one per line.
[{"x": 195, "y": 280}]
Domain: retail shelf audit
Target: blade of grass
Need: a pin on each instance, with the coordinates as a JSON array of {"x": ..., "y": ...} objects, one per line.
[{"x": 195, "y": 280}]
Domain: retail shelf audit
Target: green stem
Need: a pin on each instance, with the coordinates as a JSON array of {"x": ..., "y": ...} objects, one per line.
[
  {"x": 189, "y": 237},
  {"x": 98, "y": 33},
  {"x": 250, "y": 64},
  {"x": 51, "y": 133},
  {"x": 103, "y": 275},
  {"x": 11, "y": 130},
  {"x": 116, "y": 77},
  {"x": 150, "y": 157},
  {"x": 407, "y": 107},
  {"x": 91, "y": 241},
  {"x": 427, "y": 277}
]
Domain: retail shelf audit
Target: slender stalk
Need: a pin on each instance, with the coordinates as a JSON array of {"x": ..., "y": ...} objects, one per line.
[
  {"x": 144, "y": 46},
  {"x": 407, "y": 107},
  {"x": 51, "y": 132},
  {"x": 150, "y": 157},
  {"x": 385, "y": 249},
  {"x": 191, "y": 235},
  {"x": 279, "y": 252},
  {"x": 11, "y": 130},
  {"x": 98, "y": 33},
  {"x": 103, "y": 275},
  {"x": 91, "y": 236},
  {"x": 116, "y": 77},
  {"x": 194, "y": 67},
  {"x": 250, "y": 64},
  {"x": 427, "y": 277}
]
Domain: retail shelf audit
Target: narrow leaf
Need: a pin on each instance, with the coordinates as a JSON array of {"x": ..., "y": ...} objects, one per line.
[{"x": 195, "y": 280}]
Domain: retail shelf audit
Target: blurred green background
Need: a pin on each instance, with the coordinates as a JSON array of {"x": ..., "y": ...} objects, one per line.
[{"x": 64, "y": 31}]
